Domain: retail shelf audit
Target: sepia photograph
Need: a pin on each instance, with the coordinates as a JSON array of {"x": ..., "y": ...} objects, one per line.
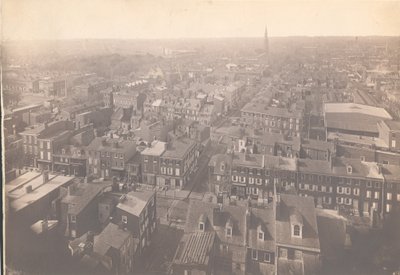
[{"x": 200, "y": 137}]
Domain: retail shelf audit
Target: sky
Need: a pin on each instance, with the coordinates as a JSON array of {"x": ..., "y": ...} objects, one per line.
[{"x": 129, "y": 19}]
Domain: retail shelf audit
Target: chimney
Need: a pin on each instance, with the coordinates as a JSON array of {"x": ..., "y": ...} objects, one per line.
[
  {"x": 70, "y": 190},
  {"x": 90, "y": 237},
  {"x": 217, "y": 216},
  {"x": 45, "y": 225},
  {"x": 45, "y": 176},
  {"x": 28, "y": 189}
]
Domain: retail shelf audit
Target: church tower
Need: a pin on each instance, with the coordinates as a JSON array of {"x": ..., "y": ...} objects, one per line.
[{"x": 266, "y": 43}]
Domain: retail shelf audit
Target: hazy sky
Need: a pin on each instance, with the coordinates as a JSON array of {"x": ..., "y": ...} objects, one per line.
[{"x": 65, "y": 19}]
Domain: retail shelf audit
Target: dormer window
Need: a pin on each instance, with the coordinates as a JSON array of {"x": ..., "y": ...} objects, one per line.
[
  {"x": 229, "y": 231},
  {"x": 296, "y": 221},
  {"x": 228, "y": 228},
  {"x": 260, "y": 233},
  {"x": 222, "y": 166},
  {"x": 349, "y": 169},
  {"x": 296, "y": 230},
  {"x": 202, "y": 223}
]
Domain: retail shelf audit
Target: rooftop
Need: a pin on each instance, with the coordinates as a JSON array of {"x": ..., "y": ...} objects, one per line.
[
  {"x": 111, "y": 145},
  {"x": 135, "y": 202},
  {"x": 178, "y": 148},
  {"x": 356, "y": 108},
  {"x": 111, "y": 236},
  {"x": 195, "y": 248},
  {"x": 262, "y": 108},
  {"x": 156, "y": 149},
  {"x": 21, "y": 198},
  {"x": 82, "y": 195},
  {"x": 305, "y": 209}
]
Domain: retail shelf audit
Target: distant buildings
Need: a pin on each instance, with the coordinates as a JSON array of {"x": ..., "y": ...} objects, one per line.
[{"x": 272, "y": 119}]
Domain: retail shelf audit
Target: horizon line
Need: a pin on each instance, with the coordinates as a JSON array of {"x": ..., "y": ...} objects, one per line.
[{"x": 195, "y": 37}]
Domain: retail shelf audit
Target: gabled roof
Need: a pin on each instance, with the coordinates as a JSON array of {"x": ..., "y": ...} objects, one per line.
[
  {"x": 263, "y": 219},
  {"x": 290, "y": 206},
  {"x": 111, "y": 237},
  {"x": 216, "y": 221},
  {"x": 84, "y": 195},
  {"x": 195, "y": 249}
]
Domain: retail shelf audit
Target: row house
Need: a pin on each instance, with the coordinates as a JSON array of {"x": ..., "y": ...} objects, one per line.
[
  {"x": 272, "y": 119},
  {"x": 227, "y": 239},
  {"x": 177, "y": 163},
  {"x": 351, "y": 185},
  {"x": 108, "y": 157},
  {"x": 80, "y": 206},
  {"x": 150, "y": 161},
  {"x": 255, "y": 175},
  {"x": 136, "y": 212},
  {"x": 110, "y": 252},
  {"x": 129, "y": 99},
  {"x": 41, "y": 142},
  {"x": 70, "y": 160}
]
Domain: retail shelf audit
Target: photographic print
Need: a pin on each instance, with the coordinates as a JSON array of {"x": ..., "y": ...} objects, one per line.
[{"x": 200, "y": 137}]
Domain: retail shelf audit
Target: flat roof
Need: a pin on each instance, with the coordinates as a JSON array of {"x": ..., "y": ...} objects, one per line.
[
  {"x": 156, "y": 149},
  {"x": 135, "y": 202},
  {"x": 22, "y": 199},
  {"x": 21, "y": 180},
  {"x": 364, "y": 140},
  {"x": 356, "y": 108}
]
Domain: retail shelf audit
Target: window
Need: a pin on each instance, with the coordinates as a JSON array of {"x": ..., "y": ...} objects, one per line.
[
  {"x": 124, "y": 219},
  {"x": 229, "y": 231},
  {"x": 177, "y": 171},
  {"x": 267, "y": 257},
  {"x": 389, "y": 196},
  {"x": 237, "y": 266},
  {"x": 282, "y": 252},
  {"x": 296, "y": 230},
  {"x": 388, "y": 207},
  {"x": 201, "y": 226},
  {"x": 254, "y": 254},
  {"x": 298, "y": 255},
  {"x": 356, "y": 191},
  {"x": 376, "y": 196},
  {"x": 73, "y": 219},
  {"x": 362, "y": 158},
  {"x": 368, "y": 194},
  {"x": 218, "y": 178},
  {"x": 369, "y": 184},
  {"x": 398, "y": 197},
  {"x": 261, "y": 235}
]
